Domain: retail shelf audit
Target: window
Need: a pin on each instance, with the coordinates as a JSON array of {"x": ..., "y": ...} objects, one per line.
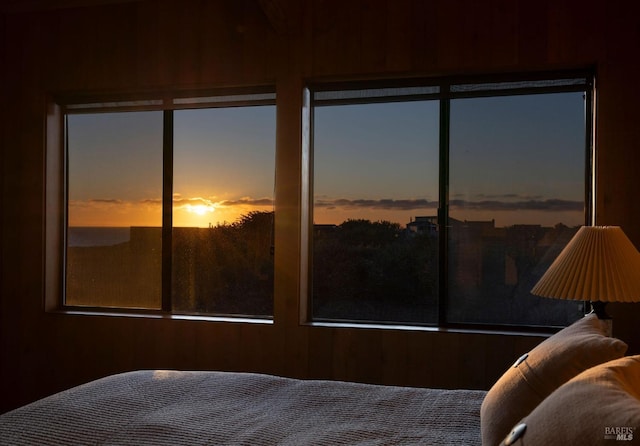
[
  {"x": 169, "y": 204},
  {"x": 442, "y": 202}
]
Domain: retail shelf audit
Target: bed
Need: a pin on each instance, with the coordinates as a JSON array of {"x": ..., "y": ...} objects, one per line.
[
  {"x": 577, "y": 374},
  {"x": 216, "y": 408}
]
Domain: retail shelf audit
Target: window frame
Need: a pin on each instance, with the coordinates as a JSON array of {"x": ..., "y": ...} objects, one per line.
[
  {"x": 445, "y": 89},
  {"x": 58, "y": 107}
]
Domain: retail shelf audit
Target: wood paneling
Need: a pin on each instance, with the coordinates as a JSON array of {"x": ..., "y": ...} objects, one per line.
[{"x": 166, "y": 44}]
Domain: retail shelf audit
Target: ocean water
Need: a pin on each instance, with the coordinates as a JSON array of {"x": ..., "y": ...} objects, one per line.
[{"x": 81, "y": 236}]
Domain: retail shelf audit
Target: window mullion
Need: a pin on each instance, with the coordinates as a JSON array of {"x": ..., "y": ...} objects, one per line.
[
  {"x": 590, "y": 214},
  {"x": 167, "y": 209},
  {"x": 443, "y": 207}
]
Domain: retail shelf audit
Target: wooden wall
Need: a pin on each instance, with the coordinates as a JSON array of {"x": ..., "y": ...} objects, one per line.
[{"x": 113, "y": 45}]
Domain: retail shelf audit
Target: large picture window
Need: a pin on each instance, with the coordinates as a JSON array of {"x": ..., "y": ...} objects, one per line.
[
  {"x": 442, "y": 202},
  {"x": 169, "y": 204}
]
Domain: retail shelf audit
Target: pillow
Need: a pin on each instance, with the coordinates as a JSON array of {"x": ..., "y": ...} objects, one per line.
[
  {"x": 597, "y": 406},
  {"x": 545, "y": 368}
]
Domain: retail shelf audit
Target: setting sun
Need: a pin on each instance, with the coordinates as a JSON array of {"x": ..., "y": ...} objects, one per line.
[{"x": 200, "y": 209}]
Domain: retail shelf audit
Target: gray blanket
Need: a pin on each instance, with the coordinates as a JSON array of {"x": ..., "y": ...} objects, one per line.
[{"x": 216, "y": 408}]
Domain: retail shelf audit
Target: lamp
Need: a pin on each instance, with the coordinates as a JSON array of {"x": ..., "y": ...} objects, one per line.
[{"x": 599, "y": 264}]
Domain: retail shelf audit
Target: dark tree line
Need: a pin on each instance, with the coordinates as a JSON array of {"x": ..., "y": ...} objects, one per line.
[
  {"x": 374, "y": 270},
  {"x": 225, "y": 269},
  {"x": 377, "y": 267}
]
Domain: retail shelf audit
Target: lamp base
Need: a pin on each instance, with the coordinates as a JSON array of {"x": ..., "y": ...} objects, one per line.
[{"x": 599, "y": 308}]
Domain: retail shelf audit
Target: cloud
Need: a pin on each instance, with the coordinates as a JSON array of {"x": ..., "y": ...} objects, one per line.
[
  {"x": 550, "y": 205},
  {"x": 247, "y": 202},
  {"x": 92, "y": 202},
  {"x": 506, "y": 202},
  {"x": 480, "y": 197},
  {"x": 386, "y": 203},
  {"x": 152, "y": 201},
  {"x": 178, "y": 201}
]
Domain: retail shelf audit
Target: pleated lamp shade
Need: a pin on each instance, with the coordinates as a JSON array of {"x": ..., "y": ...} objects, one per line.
[{"x": 599, "y": 264}]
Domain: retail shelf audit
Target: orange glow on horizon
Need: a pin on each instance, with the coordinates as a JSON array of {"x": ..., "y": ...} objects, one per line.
[
  {"x": 202, "y": 212},
  {"x": 191, "y": 212}
]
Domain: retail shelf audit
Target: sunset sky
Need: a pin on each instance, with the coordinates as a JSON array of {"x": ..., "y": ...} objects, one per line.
[
  {"x": 518, "y": 160},
  {"x": 224, "y": 162},
  {"x": 513, "y": 159}
]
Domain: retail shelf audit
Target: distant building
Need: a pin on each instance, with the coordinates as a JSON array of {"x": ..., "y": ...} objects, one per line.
[
  {"x": 423, "y": 225},
  {"x": 319, "y": 229}
]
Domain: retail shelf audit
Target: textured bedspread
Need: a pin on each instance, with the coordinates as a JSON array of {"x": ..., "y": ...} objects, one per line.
[{"x": 217, "y": 408}]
